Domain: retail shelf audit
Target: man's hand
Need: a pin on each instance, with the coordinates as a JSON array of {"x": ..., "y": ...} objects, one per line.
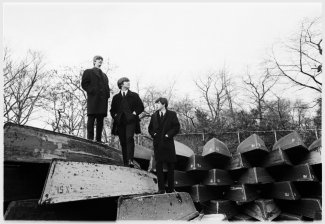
[
  {"x": 166, "y": 136},
  {"x": 134, "y": 113}
]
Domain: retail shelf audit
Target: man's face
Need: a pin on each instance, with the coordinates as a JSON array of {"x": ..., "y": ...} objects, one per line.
[
  {"x": 98, "y": 63},
  {"x": 126, "y": 85},
  {"x": 159, "y": 106}
]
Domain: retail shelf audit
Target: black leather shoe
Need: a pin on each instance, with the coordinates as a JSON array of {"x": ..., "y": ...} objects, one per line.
[
  {"x": 131, "y": 164},
  {"x": 172, "y": 191},
  {"x": 161, "y": 192},
  {"x": 136, "y": 166}
]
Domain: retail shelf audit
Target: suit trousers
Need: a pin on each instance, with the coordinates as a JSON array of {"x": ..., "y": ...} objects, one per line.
[
  {"x": 99, "y": 127},
  {"x": 170, "y": 176},
  {"x": 126, "y": 136}
]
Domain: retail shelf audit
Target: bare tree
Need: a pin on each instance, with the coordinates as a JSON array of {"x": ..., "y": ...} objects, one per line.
[
  {"x": 66, "y": 102},
  {"x": 24, "y": 85},
  {"x": 318, "y": 116},
  {"x": 185, "y": 110},
  {"x": 300, "y": 118},
  {"x": 151, "y": 94},
  {"x": 216, "y": 90},
  {"x": 148, "y": 98},
  {"x": 230, "y": 90},
  {"x": 303, "y": 67},
  {"x": 277, "y": 114},
  {"x": 213, "y": 96},
  {"x": 257, "y": 89}
]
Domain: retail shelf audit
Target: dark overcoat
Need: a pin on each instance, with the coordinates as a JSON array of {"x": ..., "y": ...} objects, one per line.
[
  {"x": 135, "y": 104},
  {"x": 95, "y": 83},
  {"x": 164, "y": 147}
]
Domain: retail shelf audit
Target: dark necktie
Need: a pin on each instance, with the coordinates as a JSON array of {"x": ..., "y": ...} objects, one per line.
[
  {"x": 123, "y": 94},
  {"x": 159, "y": 117}
]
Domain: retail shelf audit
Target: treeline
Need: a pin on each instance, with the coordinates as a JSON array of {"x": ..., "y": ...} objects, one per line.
[{"x": 32, "y": 92}]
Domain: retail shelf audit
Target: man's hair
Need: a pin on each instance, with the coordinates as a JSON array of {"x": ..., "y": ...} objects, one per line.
[
  {"x": 163, "y": 101},
  {"x": 121, "y": 81},
  {"x": 97, "y": 57}
]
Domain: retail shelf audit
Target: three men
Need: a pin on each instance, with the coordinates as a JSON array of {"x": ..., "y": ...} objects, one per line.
[
  {"x": 164, "y": 125},
  {"x": 95, "y": 83},
  {"x": 125, "y": 109}
]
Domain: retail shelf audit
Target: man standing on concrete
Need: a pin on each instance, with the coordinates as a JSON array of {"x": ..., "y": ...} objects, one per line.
[
  {"x": 164, "y": 125},
  {"x": 95, "y": 83},
  {"x": 125, "y": 110}
]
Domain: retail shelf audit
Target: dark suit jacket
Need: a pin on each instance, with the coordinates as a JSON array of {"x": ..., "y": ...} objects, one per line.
[
  {"x": 135, "y": 104},
  {"x": 95, "y": 83},
  {"x": 164, "y": 147}
]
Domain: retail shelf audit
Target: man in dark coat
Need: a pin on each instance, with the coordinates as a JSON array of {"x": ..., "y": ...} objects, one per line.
[
  {"x": 95, "y": 83},
  {"x": 125, "y": 110},
  {"x": 164, "y": 125}
]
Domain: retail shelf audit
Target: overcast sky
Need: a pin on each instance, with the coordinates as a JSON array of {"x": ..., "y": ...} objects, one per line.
[{"x": 155, "y": 42}]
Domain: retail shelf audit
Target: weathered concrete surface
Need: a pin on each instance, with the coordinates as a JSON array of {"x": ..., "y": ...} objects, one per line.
[
  {"x": 173, "y": 206},
  {"x": 34, "y": 145},
  {"x": 73, "y": 181}
]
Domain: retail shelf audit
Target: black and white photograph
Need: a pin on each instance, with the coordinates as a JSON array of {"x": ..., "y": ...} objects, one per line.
[{"x": 150, "y": 110}]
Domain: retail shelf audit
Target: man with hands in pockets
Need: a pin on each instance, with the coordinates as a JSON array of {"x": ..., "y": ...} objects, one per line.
[
  {"x": 125, "y": 110},
  {"x": 164, "y": 125}
]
